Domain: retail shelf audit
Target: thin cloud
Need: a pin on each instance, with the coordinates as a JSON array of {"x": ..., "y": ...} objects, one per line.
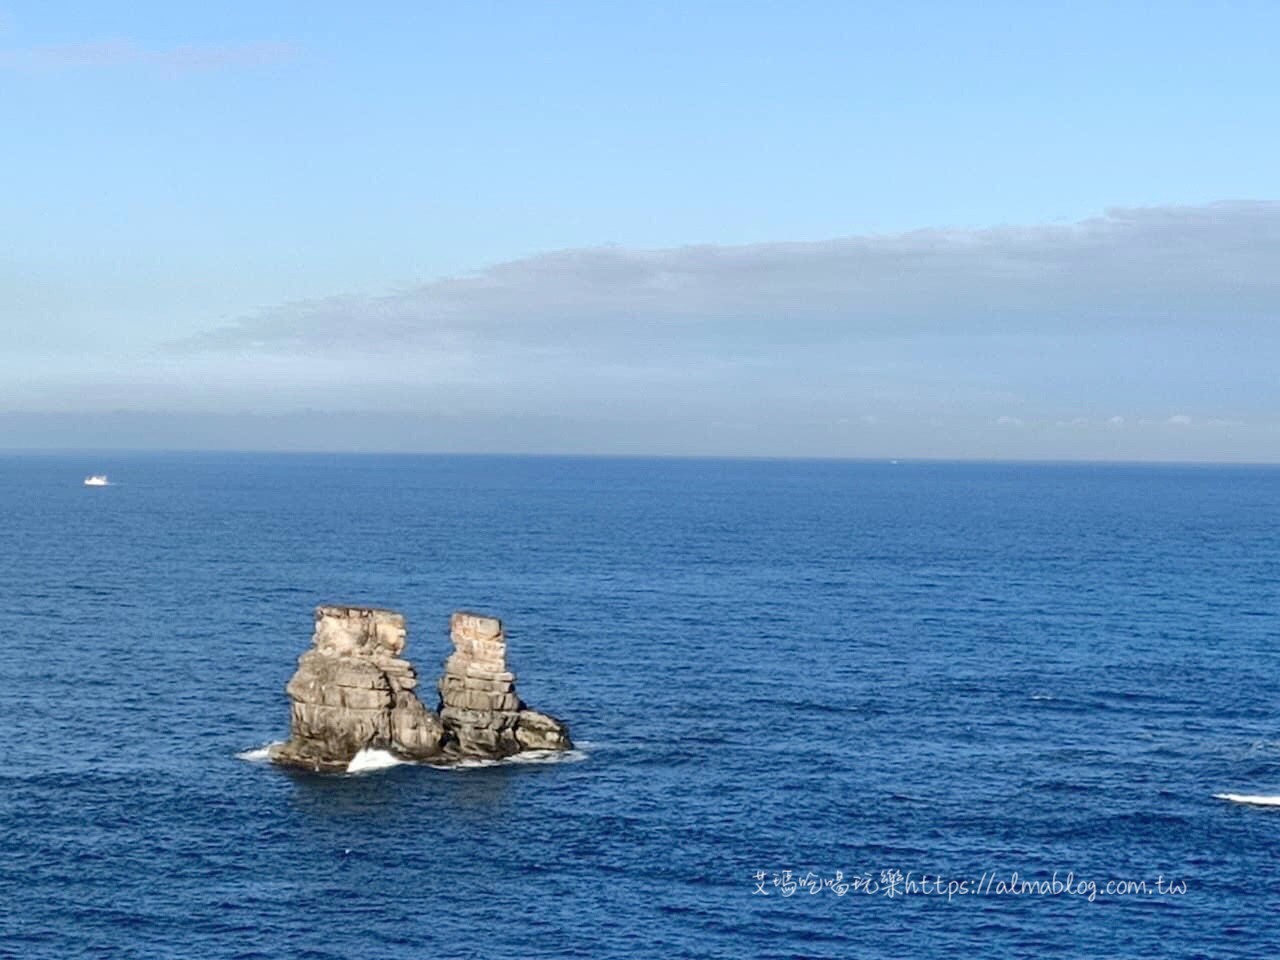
[
  {"x": 117, "y": 53},
  {"x": 1147, "y": 268}
]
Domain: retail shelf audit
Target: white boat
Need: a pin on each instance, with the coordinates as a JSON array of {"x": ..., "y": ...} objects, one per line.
[{"x": 97, "y": 480}]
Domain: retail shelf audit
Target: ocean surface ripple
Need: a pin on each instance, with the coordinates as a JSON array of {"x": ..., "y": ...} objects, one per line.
[{"x": 950, "y": 670}]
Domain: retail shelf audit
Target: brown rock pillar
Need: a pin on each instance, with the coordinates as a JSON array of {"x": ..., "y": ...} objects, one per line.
[
  {"x": 479, "y": 708},
  {"x": 352, "y": 691}
]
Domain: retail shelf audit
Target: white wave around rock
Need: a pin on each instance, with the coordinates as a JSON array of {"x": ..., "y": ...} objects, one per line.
[
  {"x": 371, "y": 758},
  {"x": 258, "y": 754}
]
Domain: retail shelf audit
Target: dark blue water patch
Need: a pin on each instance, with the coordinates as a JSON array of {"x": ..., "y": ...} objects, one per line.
[{"x": 806, "y": 666}]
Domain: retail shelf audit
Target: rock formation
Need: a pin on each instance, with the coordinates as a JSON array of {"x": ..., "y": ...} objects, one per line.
[
  {"x": 353, "y": 691},
  {"x": 479, "y": 707}
]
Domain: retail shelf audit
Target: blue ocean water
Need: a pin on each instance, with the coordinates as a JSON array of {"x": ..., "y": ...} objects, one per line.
[{"x": 874, "y": 669}]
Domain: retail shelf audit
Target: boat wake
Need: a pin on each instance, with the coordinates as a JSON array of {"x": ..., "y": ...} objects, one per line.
[{"x": 1252, "y": 799}]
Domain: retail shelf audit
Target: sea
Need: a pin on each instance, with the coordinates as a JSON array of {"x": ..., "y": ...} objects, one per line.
[{"x": 821, "y": 708}]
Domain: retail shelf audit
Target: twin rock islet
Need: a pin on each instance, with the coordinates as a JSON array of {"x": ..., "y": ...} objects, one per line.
[{"x": 353, "y": 691}]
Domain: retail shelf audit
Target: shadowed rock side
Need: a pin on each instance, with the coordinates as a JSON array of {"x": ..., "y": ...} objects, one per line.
[{"x": 353, "y": 691}]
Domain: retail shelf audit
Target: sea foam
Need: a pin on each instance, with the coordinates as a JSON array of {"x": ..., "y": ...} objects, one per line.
[
  {"x": 547, "y": 756},
  {"x": 525, "y": 756}
]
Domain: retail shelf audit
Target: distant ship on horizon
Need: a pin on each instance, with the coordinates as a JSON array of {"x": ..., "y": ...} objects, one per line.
[{"x": 96, "y": 480}]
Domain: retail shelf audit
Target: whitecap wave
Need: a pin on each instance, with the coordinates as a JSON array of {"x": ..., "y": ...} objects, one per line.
[
  {"x": 1253, "y": 799},
  {"x": 258, "y": 754},
  {"x": 371, "y": 758}
]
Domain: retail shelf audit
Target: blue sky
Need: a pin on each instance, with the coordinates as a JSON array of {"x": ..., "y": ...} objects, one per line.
[{"x": 907, "y": 229}]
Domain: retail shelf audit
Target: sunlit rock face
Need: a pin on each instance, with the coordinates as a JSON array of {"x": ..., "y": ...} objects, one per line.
[{"x": 353, "y": 691}]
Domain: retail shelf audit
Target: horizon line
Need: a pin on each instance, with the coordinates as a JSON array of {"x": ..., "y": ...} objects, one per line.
[{"x": 710, "y": 457}]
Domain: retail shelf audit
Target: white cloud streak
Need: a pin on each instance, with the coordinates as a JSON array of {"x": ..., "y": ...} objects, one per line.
[{"x": 1157, "y": 268}]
